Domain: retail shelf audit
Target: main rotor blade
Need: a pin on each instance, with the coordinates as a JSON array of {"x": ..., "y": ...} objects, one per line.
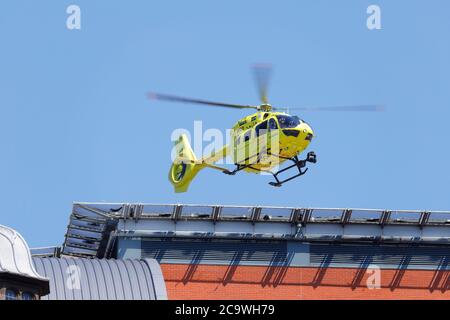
[
  {"x": 361, "y": 108},
  {"x": 262, "y": 73},
  {"x": 166, "y": 97}
]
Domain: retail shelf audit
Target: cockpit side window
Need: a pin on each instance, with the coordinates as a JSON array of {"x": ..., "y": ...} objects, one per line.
[
  {"x": 272, "y": 124},
  {"x": 261, "y": 128},
  {"x": 286, "y": 121},
  {"x": 247, "y": 135}
]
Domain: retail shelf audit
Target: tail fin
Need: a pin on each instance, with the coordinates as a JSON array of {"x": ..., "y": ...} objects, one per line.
[{"x": 185, "y": 166}]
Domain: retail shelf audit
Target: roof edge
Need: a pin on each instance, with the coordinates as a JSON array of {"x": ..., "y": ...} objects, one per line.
[{"x": 158, "y": 279}]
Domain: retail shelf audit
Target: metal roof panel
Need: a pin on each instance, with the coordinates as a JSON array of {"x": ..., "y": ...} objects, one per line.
[{"x": 92, "y": 279}]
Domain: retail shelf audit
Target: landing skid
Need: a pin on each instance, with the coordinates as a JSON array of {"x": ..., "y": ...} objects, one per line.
[
  {"x": 299, "y": 164},
  {"x": 311, "y": 157}
]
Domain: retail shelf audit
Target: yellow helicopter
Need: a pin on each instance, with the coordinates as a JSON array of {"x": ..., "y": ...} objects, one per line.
[{"x": 260, "y": 142}]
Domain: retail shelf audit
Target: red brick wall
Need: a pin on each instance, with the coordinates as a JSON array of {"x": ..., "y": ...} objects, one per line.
[{"x": 261, "y": 282}]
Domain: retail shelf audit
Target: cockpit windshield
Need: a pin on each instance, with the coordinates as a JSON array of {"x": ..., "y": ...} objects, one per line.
[{"x": 288, "y": 121}]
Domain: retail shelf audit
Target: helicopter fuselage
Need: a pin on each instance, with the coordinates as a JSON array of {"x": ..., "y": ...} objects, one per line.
[{"x": 264, "y": 140}]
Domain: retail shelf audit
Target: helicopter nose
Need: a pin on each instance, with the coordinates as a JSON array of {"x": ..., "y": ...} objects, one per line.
[
  {"x": 308, "y": 133},
  {"x": 302, "y": 132}
]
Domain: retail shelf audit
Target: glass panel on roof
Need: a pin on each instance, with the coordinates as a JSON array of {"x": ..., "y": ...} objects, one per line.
[
  {"x": 275, "y": 214},
  {"x": 439, "y": 217},
  {"x": 106, "y": 207},
  {"x": 88, "y": 211},
  {"x": 366, "y": 216},
  {"x": 404, "y": 217},
  {"x": 88, "y": 244},
  {"x": 197, "y": 212},
  {"x": 89, "y": 225},
  {"x": 236, "y": 212},
  {"x": 158, "y": 210},
  {"x": 326, "y": 215},
  {"x": 84, "y": 234}
]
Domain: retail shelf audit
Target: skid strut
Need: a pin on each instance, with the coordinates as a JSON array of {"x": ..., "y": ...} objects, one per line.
[{"x": 311, "y": 157}]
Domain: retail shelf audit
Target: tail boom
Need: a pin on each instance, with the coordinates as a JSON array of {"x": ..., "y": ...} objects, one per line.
[{"x": 186, "y": 165}]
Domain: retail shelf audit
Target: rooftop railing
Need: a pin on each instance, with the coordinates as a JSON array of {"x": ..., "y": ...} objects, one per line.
[{"x": 261, "y": 213}]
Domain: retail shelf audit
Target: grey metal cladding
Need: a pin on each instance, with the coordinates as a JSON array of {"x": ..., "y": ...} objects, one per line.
[
  {"x": 401, "y": 256},
  {"x": 210, "y": 250},
  {"x": 101, "y": 279},
  {"x": 295, "y": 254}
]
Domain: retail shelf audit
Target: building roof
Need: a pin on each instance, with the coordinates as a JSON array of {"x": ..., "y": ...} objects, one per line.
[
  {"x": 101, "y": 279},
  {"x": 94, "y": 227},
  {"x": 15, "y": 257}
]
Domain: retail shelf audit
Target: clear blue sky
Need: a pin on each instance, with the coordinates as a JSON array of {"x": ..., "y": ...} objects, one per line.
[{"x": 75, "y": 124}]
